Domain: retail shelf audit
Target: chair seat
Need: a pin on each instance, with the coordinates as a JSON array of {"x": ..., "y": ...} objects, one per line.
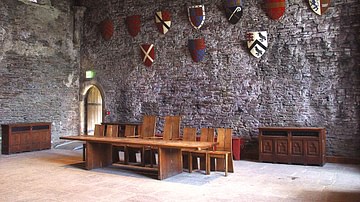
[{"x": 220, "y": 153}]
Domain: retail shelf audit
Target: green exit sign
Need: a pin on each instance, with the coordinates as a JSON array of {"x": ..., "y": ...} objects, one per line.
[{"x": 90, "y": 74}]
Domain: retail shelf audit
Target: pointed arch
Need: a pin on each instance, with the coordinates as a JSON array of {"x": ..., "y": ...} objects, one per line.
[{"x": 92, "y": 107}]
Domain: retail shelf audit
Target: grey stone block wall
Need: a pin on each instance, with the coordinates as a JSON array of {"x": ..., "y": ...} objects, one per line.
[
  {"x": 39, "y": 68},
  {"x": 309, "y": 76}
]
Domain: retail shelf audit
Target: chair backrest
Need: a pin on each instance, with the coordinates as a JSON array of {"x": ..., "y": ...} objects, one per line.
[
  {"x": 224, "y": 139},
  {"x": 172, "y": 128},
  {"x": 129, "y": 130},
  {"x": 148, "y": 127},
  {"x": 207, "y": 135},
  {"x": 112, "y": 130},
  {"x": 189, "y": 134},
  {"x": 99, "y": 130}
]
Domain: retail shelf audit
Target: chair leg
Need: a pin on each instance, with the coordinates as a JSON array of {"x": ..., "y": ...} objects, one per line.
[
  {"x": 190, "y": 162},
  {"x": 226, "y": 164},
  {"x": 84, "y": 152},
  {"x": 143, "y": 157},
  {"x": 126, "y": 155},
  {"x": 207, "y": 162}
]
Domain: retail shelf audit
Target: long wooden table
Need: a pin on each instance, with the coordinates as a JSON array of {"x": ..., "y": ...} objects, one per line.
[{"x": 99, "y": 151}]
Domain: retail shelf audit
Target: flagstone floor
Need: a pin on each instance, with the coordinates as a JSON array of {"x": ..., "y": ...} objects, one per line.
[{"x": 58, "y": 175}]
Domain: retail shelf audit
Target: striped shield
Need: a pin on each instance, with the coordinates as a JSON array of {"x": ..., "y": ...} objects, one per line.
[
  {"x": 133, "y": 24},
  {"x": 163, "y": 21},
  {"x": 275, "y": 8},
  {"x": 107, "y": 29},
  {"x": 196, "y": 15},
  {"x": 197, "y": 49},
  {"x": 257, "y": 43},
  {"x": 233, "y": 10},
  {"x": 148, "y": 54},
  {"x": 319, "y": 6}
]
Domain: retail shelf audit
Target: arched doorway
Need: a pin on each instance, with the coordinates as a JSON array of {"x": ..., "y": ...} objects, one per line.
[{"x": 93, "y": 109}]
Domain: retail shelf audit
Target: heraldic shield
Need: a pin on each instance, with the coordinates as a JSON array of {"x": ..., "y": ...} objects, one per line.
[
  {"x": 107, "y": 29},
  {"x": 133, "y": 24},
  {"x": 257, "y": 43},
  {"x": 197, "y": 49},
  {"x": 233, "y": 10},
  {"x": 275, "y": 8},
  {"x": 163, "y": 21},
  {"x": 148, "y": 54},
  {"x": 319, "y": 6},
  {"x": 196, "y": 15}
]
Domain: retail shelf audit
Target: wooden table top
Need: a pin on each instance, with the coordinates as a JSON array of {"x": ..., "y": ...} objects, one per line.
[{"x": 144, "y": 142}]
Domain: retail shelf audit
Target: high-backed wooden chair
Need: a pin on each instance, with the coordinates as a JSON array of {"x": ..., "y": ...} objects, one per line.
[
  {"x": 223, "y": 152},
  {"x": 112, "y": 130},
  {"x": 172, "y": 128},
  {"x": 98, "y": 131},
  {"x": 189, "y": 134},
  {"x": 171, "y": 132},
  {"x": 129, "y": 131},
  {"x": 148, "y": 129},
  {"x": 206, "y": 135}
]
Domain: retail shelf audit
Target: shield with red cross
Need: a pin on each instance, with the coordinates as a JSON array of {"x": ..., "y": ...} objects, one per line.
[
  {"x": 163, "y": 21},
  {"x": 107, "y": 29},
  {"x": 147, "y": 54},
  {"x": 197, "y": 49},
  {"x": 319, "y": 6},
  {"x": 133, "y": 24},
  {"x": 275, "y": 8},
  {"x": 196, "y": 15}
]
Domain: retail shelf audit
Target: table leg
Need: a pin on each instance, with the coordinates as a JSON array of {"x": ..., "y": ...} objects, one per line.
[
  {"x": 98, "y": 155},
  {"x": 170, "y": 162}
]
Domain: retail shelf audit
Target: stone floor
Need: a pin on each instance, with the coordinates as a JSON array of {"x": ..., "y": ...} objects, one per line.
[{"x": 58, "y": 175}]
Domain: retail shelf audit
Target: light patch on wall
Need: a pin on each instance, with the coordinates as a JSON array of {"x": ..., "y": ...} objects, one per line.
[
  {"x": 89, "y": 74},
  {"x": 69, "y": 80},
  {"x": 35, "y": 1}
]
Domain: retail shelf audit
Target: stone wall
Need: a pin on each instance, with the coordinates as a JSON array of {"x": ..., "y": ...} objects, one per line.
[
  {"x": 39, "y": 65},
  {"x": 309, "y": 76}
]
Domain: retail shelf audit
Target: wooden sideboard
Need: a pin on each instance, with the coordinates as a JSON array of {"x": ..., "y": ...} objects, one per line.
[
  {"x": 21, "y": 137},
  {"x": 297, "y": 145}
]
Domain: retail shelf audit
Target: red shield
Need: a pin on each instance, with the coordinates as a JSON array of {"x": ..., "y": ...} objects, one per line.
[
  {"x": 197, "y": 49},
  {"x": 148, "y": 54},
  {"x": 107, "y": 29},
  {"x": 275, "y": 8},
  {"x": 163, "y": 21},
  {"x": 133, "y": 24}
]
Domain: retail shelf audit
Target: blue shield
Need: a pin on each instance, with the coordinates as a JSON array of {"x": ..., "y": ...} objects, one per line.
[{"x": 196, "y": 15}]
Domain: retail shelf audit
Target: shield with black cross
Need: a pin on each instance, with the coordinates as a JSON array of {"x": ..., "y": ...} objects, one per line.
[{"x": 163, "y": 21}]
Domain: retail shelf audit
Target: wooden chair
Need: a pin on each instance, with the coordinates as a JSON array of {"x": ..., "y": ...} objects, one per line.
[
  {"x": 189, "y": 134},
  {"x": 148, "y": 128},
  {"x": 98, "y": 131},
  {"x": 223, "y": 152},
  {"x": 128, "y": 132},
  {"x": 206, "y": 135},
  {"x": 172, "y": 128},
  {"x": 112, "y": 130},
  {"x": 171, "y": 132}
]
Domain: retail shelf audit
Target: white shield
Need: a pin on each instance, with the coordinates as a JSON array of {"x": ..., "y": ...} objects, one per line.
[
  {"x": 257, "y": 43},
  {"x": 319, "y": 6}
]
